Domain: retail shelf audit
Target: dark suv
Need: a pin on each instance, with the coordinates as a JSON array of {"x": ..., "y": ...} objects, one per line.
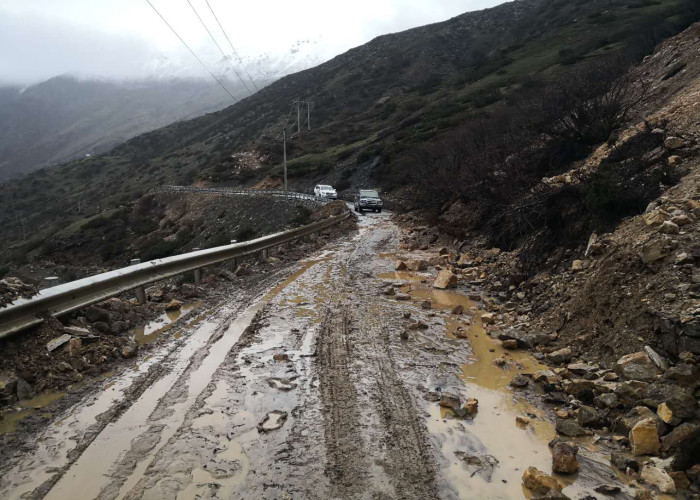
[{"x": 368, "y": 199}]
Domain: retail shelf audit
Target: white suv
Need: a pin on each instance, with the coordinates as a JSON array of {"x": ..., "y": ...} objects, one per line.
[{"x": 323, "y": 191}]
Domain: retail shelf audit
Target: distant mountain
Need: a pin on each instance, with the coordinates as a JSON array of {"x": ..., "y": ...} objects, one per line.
[{"x": 65, "y": 118}]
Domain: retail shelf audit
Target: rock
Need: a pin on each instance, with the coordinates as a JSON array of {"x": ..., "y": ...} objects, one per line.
[
  {"x": 96, "y": 314},
  {"x": 577, "y": 265},
  {"x": 524, "y": 340},
  {"x": 677, "y": 436},
  {"x": 569, "y": 428},
  {"x": 445, "y": 279},
  {"x": 417, "y": 265},
  {"x": 459, "y": 309},
  {"x": 564, "y": 458},
  {"x": 675, "y": 161},
  {"x": 546, "y": 376},
  {"x": 622, "y": 462},
  {"x": 594, "y": 247},
  {"x": 403, "y": 296},
  {"x": 561, "y": 356},
  {"x": 655, "y": 358},
  {"x": 666, "y": 414},
  {"x": 588, "y": 416},
  {"x": 173, "y": 305},
  {"x": 243, "y": 270},
  {"x": 680, "y": 479},
  {"x": 119, "y": 327},
  {"x": 644, "y": 438},
  {"x": 630, "y": 391},
  {"x": 54, "y": 344},
  {"x": 102, "y": 327},
  {"x": 450, "y": 400},
  {"x": 669, "y": 227},
  {"x": 75, "y": 346},
  {"x": 400, "y": 265},
  {"x": 483, "y": 465},
  {"x": 510, "y": 344},
  {"x": 470, "y": 408},
  {"x": 608, "y": 400},
  {"x": 607, "y": 489},
  {"x": 404, "y": 335},
  {"x": 130, "y": 349},
  {"x": 681, "y": 220},
  {"x": 653, "y": 251},
  {"x": 281, "y": 357},
  {"x": 683, "y": 258},
  {"x": 637, "y": 366},
  {"x": 519, "y": 381},
  {"x": 659, "y": 478},
  {"x": 625, "y": 423},
  {"x": 389, "y": 291},
  {"x": 521, "y": 421},
  {"x": 673, "y": 142},
  {"x": 582, "y": 368},
  {"x": 426, "y": 304},
  {"x": 24, "y": 390},
  {"x": 76, "y": 331},
  {"x": 488, "y": 318},
  {"x": 655, "y": 217},
  {"x": 683, "y": 404},
  {"x": 540, "y": 483},
  {"x": 418, "y": 325}
]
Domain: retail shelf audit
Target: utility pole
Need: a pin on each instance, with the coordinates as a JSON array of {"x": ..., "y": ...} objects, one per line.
[
  {"x": 308, "y": 114},
  {"x": 298, "y": 117},
  {"x": 284, "y": 142}
]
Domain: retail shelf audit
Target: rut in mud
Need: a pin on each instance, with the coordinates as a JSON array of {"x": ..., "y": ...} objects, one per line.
[{"x": 309, "y": 391}]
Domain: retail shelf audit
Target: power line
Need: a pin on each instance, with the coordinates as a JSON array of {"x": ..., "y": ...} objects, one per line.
[
  {"x": 217, "y": 45},
  {"x": 191, "y": 51},
  {"x": 232, "y": 48}
]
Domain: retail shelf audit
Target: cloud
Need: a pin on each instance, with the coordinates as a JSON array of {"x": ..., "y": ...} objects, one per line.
[{"x": 36, "y": 48}]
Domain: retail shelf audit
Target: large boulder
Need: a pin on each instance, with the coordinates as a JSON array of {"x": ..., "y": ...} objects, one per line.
[
  {"x": 564, "y": 458},
  {"x": 644, "y": 438},
  {"x": 637, "y": 366}
]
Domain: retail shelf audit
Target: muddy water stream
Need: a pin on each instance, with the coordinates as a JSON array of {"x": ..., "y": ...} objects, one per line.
[{"x": 487, "y": 455}]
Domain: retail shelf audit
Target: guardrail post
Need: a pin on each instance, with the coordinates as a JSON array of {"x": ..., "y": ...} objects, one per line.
[
  {"x": 140, "y": 291},
  {"x": 234, "y": 261},
  {"x": 197, "y": 272},
  {"x": 265, "y": 254}
]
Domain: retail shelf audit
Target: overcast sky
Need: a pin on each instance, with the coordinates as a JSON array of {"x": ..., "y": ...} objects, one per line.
[{"x": 126, "y": 39}]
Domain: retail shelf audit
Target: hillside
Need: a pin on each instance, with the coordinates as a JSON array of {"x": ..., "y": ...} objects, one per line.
[
  {"x": 374, "y": 108},
  {"x": 65, "y": 118}
]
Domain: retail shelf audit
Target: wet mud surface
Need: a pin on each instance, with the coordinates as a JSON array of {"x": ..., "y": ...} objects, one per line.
[{"x": 321, "y": 387}]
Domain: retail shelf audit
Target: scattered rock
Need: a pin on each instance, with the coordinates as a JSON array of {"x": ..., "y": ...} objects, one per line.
[
  {"x": 675, "y": 161},
  {"x": 389, "y": 291},
  {"x": 426, "y": 304},
  {"x": 173, "y": 305},
  {"x": 403, "y": 296},
  {"x": 622, "y": 462},
  {"x": 281, "y": 357},
  {"x": 644, "y": 437},
  {"x": 683, "y": 433},
  {"x": 669, "y": 227},
  {"x": 659, "y": 478},
  {"x": 577, "y": 265},
  {"x": 561, "y": 356},
  {"x": 588, "y": 416},
  {"x": 655, "y": 358},
  {"x": 637, "y": 366},
  {"x": 418, "y": 325},
  {"x": 75, "y": 346},
  {"x": 400, "y": 265},
  {"x": 450, "y": 400},
  {"x": 488, "y": 318},
  {"x": 130, "y": 349},
  {"x": 58, "y": 342},
  {"x": 607, "y": 489},
  {"x": 673, "y": 142},
  {"x": 417, "y": 265},
  {"x": 445, "y": 279},
  {"x": 569, "y": 428},
  {"x": 482, "y": 465},
  {"x": 404, "y": 335},
  {"x": 519, "y": 381},
  {"x": 470, "y": 408},
  {"x": 458, "y": 309},
  {"x": 564, "y": 458},
  {"x": 510, "y": 344},
  {"x": 680, "y": 480},
  {"x": 540, "y": 483},
  {"x": 76, "y": 331},
  {"x": 521, "y": 421},
  {"x": 666, "y": 414},
  {"x": 96, "y": 314},
  {"x": 653, "y": 251}
]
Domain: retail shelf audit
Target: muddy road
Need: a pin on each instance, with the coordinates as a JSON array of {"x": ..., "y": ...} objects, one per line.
[{"x": 308, "y": 391}]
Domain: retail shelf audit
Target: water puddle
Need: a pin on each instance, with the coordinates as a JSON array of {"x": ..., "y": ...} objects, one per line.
[
  {"x": 487, "y": 455},
  {"x": 156, "y": 328},
  {"x": 9, "y": 420}
]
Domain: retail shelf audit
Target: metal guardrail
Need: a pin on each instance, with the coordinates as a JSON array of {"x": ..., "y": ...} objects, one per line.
[
  {"x": 275, "y": 193},
  {"x": 69, "y": 297}
]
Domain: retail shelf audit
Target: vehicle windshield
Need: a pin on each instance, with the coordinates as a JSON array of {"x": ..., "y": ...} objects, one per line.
[
  {"x": 369, "y": 194},
  {"x": 325, "y": 188}
]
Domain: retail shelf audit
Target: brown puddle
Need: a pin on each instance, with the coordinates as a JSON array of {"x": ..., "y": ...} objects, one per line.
[
  {"x": 156, "y": 328},
  {"x": 9, "y": 421},
  {"x": 472, "y": 447}
]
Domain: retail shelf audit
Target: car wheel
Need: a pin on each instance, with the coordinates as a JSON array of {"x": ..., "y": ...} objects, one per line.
[{"x": 380, "y": 210}]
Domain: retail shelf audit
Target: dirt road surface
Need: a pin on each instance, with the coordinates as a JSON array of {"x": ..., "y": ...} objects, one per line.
[{"x": 307, "y": 391}]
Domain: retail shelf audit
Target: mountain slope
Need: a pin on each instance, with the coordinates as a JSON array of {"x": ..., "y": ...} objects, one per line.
[{"x": 374, "y": 105}]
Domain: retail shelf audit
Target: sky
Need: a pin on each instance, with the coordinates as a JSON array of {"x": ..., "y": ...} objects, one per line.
[{"x": 119, "y": 39}]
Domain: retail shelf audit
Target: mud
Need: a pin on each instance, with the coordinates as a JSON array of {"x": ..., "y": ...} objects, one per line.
[{"x": 312, "y": 390}]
